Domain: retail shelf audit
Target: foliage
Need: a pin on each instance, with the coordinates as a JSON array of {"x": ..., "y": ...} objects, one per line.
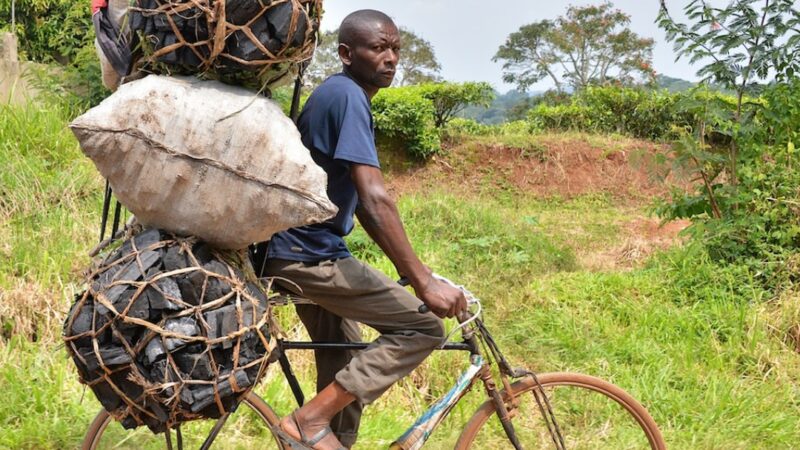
[
  {"x": 418, "y": 63},
  {"x": 757, "y": 222},
  {"x": 745, "y": 207},
  {"x": 641, "y": 113},
  {"x": 744, "y": 41},
  {"x": 50, "y": 30},
  {"x": 404, "y": 114},
  {"x": 451, "y": 98},
  {"x": 59, "y": 32},
  {"x": 326, "y": 59},
  {"x": 588, "y": 45}
]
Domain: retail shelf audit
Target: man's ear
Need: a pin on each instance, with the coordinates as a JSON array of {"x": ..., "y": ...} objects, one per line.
[{"x": 345, "y": 54}]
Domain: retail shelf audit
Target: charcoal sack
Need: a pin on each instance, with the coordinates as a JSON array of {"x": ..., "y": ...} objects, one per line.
[
  {"x": 169, "y": 331},
  {"x": 205, "y": 159},
  {"x": 253, "y": 43}
]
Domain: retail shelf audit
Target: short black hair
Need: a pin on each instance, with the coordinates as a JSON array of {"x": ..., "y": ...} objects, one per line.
[{"x": 355, "y": 22}]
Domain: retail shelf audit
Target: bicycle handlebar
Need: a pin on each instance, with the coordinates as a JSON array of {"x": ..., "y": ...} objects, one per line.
[{"x": 471, "y": 299}]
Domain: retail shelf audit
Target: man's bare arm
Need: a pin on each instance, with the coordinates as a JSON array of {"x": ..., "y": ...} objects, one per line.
[{"x": 378, "y": 214}]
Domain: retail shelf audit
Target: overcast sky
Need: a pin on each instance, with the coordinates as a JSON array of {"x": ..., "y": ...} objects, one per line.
[{"x": 465, "y": 34}]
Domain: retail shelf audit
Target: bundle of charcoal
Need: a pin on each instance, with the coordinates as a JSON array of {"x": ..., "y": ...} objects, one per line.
[
  {"x": 169, "y": 330},
  {"x": 253, "y": 43}
]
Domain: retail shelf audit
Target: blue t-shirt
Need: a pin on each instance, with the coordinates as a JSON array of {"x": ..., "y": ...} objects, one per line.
[{"x": 336, "y": 125}]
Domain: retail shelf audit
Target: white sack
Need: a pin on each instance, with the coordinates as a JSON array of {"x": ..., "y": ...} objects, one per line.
[{"x": 203, "y": 158}]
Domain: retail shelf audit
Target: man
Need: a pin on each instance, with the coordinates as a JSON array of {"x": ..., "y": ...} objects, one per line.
[{"x": 336, "y": 124}]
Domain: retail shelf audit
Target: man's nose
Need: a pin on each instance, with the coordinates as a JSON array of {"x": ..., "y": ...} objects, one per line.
[{"x": 392, "y": 57}]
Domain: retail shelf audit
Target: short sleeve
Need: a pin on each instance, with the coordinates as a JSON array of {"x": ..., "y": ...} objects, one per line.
[{"x": 356, "y": 140}]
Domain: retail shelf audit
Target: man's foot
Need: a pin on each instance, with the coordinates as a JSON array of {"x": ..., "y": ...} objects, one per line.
[{"x": 315, "y": 435}]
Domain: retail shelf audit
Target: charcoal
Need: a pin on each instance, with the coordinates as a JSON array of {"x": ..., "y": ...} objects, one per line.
[
  {"x": 122, "y": 300},
  {"x": 175, "y": 259},
  {"x": 299, "y": 35},
  {"x": 205, "y": 396},
  {"x": 147, "y": 238},
  {"x": 154, "y": 351},
  {"x": 185, "y": 326},
  {"x": 260, "y": 26},
  {"x": 169, "y": 288},
  {"x": 129, "y": 422},
  {"x": 239, "y": 12},
  {"x": 171, "y": 57},
  {"x": 188, "y": 292},
  {"x": 108, "y": 398},
  {"x": 147, "y": 366},
  {"x": 279, "y": 18},
  {"x": 242, "y": 47},
  {"x": 189, "y": 58},
  {"x": 149, "y": 28},
  {"x": 131, "y": 390},
  {"x": 196, "y": 366},
  {"x": 161, "y": 23},
  {"x": 83, "y": 321},
  {"x": 202, "y": 252},
  {"x": 136, "y": 20}
]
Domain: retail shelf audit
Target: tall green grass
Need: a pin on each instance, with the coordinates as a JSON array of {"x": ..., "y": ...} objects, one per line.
[{"x": 701, "y": 347}]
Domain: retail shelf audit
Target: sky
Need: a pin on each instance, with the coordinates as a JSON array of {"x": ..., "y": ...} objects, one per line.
[{"x": 465, "y": 34}]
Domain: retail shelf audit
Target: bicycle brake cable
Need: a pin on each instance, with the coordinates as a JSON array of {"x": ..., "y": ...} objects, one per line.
[{"x": 471, "y": 300}]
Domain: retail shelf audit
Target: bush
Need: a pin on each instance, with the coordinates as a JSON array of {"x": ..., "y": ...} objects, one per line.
[
  {"x": 640, "y": 113},
  {"x": 759, "y": 221},
  {"x": 561, "y": 117},
  {"x": 404, "y": 114},
  {"x": 451, "y": 98}
]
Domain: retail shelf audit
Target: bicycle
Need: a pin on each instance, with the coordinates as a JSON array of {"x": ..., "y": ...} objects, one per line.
[{"x": 516, "y": 404}]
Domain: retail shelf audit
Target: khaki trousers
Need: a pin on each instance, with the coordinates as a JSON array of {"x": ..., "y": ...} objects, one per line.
[{"x": 347, "y": 291}]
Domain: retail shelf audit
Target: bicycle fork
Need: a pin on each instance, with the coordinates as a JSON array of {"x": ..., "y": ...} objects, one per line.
[{"x": 499, "y": 406}]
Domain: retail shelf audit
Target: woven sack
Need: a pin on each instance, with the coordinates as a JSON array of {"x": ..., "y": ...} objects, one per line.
[
  {"x": 169, "y": 330},
  {"x": 205, "y": 159}
]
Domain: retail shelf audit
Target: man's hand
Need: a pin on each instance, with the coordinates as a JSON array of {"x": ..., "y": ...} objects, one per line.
[{"x": 442, "y": 299}]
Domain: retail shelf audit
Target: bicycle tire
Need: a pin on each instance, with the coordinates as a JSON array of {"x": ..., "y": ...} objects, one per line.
[
  {"x": 639, "y": 416},
  {"x": 258, "y": 406}
]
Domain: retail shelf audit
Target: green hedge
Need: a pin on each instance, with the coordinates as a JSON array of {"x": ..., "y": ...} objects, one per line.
[
  {"x": 404, "y": 114},
  {"x": 641, "y": 113}
]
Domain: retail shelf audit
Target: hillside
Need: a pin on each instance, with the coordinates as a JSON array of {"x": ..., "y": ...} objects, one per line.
[{"x": 550, "y": 230}]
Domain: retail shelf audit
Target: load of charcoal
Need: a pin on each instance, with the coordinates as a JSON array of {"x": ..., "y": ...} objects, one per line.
[
  {"x": 253, "y": 43},
  {"x": 169, "y": 331}
]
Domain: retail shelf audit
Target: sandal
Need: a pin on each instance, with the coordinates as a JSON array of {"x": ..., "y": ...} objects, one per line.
[{"x": 304, "y": 443}]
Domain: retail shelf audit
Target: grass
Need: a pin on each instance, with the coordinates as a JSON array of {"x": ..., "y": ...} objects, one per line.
[{"x": 712, "y": 357}]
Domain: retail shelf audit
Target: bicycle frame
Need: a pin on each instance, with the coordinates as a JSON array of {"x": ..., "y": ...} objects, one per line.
[{"x": 479, "y": 368}]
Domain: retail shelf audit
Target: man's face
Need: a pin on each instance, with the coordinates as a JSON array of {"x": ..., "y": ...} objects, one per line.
[{"x": 372, "y": 58}]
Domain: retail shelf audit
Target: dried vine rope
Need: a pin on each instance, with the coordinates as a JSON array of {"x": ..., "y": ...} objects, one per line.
[
  {"x": 246, "y": 42},
  {"x": 169, "y": 331}
]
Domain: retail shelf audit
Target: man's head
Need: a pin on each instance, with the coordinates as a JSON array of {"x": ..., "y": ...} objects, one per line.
[{"x": 369, "y": 47}]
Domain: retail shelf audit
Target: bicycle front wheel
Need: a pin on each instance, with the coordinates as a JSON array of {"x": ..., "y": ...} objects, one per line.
[
  {"x": 590, "y": 413},
  {"x": 248, "y": 427}
]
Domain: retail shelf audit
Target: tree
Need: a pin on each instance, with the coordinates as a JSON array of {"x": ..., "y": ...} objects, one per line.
[
  {"x": 744, "y": 41},
  {"x": 451, "y": 98},
  {"x": 418, "y": 62},
  {"x": 589, "y": 45}
]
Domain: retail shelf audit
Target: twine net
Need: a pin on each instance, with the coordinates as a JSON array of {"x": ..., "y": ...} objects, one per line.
[
  {"x": 169, "y": 331},
  {"x": 244, "y": 42}
]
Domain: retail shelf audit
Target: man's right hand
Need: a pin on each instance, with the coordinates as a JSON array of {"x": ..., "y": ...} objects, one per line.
[{"x": 442, "y": 299}]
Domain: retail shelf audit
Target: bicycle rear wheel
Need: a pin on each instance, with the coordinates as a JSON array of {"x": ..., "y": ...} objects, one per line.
[
  {"x": 591, "y": 413},
  {"x": 248, "y": 427}
]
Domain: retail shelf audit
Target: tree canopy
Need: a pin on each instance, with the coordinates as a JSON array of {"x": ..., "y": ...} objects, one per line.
[
  {"x": 418, "y": 63},
  {"x": 588, "y": 45}
]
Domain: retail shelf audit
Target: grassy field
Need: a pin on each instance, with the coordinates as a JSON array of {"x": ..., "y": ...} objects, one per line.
[{"x": 713, "y": 357}]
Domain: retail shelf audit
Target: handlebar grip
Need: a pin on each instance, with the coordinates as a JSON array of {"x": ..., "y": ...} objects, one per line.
[{"x": 404, "y": 281}]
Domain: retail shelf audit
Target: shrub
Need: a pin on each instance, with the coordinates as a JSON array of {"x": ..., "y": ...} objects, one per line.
[
  {"x": 561, "y": 117},
  {"x": 451, "y": 98},
  {"x": 404, "y": 114}
]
